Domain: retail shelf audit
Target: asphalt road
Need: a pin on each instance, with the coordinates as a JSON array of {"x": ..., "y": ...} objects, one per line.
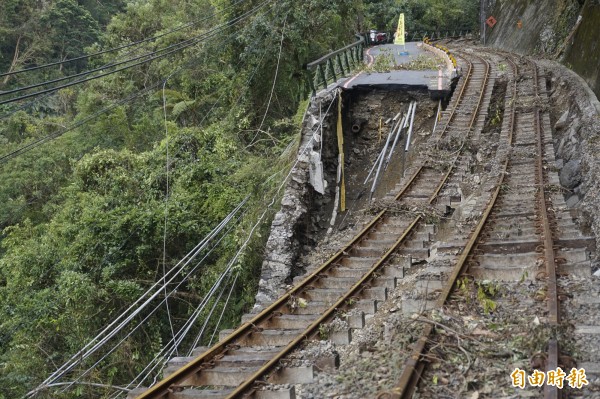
[{"x": 397, "y": 78}]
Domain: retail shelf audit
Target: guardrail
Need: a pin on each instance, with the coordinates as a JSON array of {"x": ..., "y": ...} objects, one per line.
[
  {"x": 340, "y": 63},
  {"x": 438, "y": 35},
  {"x": 335, "y": 65}
]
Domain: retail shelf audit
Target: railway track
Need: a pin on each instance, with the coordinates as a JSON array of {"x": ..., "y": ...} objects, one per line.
[
  {"x": 524, "y": 230},
  {"x": 357, "y": 277},
  {"x": 521, "y": 232}
]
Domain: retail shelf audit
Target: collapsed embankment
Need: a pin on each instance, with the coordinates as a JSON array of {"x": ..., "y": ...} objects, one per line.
[{"x": 307, "y": 209}]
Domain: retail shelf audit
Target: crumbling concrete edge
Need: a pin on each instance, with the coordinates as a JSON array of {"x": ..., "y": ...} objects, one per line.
[{"x": 283, "y": 248}]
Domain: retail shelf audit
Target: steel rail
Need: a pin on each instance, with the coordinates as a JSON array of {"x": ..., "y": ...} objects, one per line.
[
  {"x": 414, "y": 366},
  {"x": 329, "y": 313},
  {"x": 342, "y": 302},
  {"x": 550, "y": 391},
  {"x": 459, "y": 98},
  {"x": 359, "y": 285},
  {"x": 164, "y": 387},
  {"x": 168, "y": 384}
]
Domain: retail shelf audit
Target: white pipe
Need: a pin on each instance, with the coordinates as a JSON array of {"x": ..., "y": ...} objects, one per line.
[
  {"x": 373, "y": 168},
  {"x": 408, "y": 113},
  {"x": 387, "y": 161},
  {"x": 382, "y": 153},
  {"x": 412, "y": 119},
  {"x": 387, "y": 142},
  {"x": 437, "y": 116}
]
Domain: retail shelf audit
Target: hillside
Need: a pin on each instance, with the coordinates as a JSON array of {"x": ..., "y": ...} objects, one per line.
[{"x": 131, "y": 133}]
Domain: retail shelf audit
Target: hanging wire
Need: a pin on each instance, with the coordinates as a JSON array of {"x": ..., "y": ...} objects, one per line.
[
  {"x": 220, "y": 317},
  {"x": 134, "y": 309},
  {"x": 112, "y": 50},
  {"x": 158, "y": 306},
  {"x": 274, "y": 82}
]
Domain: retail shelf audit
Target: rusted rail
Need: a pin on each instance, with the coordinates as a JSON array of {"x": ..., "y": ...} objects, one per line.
[
  {"x": 170, "y": 384},
  {"x": 414, "y": 367},
  {"x": 173, "y": 383}
]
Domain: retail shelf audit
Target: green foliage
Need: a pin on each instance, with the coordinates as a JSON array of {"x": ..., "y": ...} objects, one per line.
[
  {"x": 421, "y": 15},
  {"x": 69, "y": 28},
  {"x": 37, "y": 32},
  {"x": 82, "y": 216}
]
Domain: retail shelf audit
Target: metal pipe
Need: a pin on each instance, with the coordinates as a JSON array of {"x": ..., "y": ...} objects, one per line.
[
  {"x": 358, "y": 124},
  {"x": 408, "y": 113},
  {"x": 437, "y": 116},
  {"x": 373, "y": 168},
  {"x": 412, "y": 119},
  {"x": 398, "y": 131},
  {"x": 394, "y": 127},
  {"x": 387, "y": 142}
]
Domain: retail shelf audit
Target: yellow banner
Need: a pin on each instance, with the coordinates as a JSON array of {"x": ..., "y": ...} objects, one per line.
[
  {"x": 400, "y": 32},
  {"x": 340, "y": 137}
]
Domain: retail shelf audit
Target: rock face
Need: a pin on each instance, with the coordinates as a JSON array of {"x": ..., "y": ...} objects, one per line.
[
  {"x": 544, "y": 26},
  {"x": 576, "y": 142},
  {"x": 583, "y": 55},
  {"x": 283, "y": 245}
]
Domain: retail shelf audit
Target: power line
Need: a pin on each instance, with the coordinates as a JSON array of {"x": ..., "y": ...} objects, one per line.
[
  {"x": 274, "y": 80},
  {"x": 28, "y": 147},
  {"x": 153, "y": 311},
  {"x": 206, "y": 115},
  {"x": 111, "y": 50},
  {"x": 133, "y": 310},
  {"x": 36, "y": 99},
  {"x": 181, "y": 46}
]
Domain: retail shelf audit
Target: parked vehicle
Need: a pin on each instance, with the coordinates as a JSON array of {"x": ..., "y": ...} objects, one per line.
[{"x": 376, "y": 37}]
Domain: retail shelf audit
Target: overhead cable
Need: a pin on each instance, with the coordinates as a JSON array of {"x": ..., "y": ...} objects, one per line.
[
  {"x": 6, "y": 157},
  {"x": 134, "y": 309},
  {"x": 112, "y": 50},
  {"x": 153, "y": 56}
]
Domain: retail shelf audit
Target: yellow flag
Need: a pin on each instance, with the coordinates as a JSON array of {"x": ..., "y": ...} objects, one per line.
[{"x": 400, "y": 32}]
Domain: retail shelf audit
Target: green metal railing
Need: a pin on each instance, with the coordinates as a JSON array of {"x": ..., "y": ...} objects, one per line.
[
  {"x": 437, "y": 35},
  {"x": 335, "y": 65},
  {"x": 340, "y": 63}
]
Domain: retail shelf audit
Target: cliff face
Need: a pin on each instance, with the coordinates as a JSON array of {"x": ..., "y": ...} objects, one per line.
[
  {"x": 583, "y": 56},
  {"x": 542, "y": 27}
]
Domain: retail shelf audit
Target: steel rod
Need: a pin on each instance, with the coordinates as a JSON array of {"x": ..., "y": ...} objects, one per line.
[
  {"x": 387, "y": 142},
  {"x": 398, "y": 131},
  {"x": 410, "y": 129}
]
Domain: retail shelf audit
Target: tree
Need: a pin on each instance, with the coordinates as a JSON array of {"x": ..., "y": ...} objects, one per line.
[{"x": 70, "y": 28}]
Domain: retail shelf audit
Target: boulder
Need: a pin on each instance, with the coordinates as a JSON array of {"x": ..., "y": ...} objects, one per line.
[
  {"x": 562, "y": 121},
  {"x": 570, "y": 175}
]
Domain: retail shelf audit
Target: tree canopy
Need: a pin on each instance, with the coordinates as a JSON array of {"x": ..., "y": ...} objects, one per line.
[{"x": 83, "y": 215}]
